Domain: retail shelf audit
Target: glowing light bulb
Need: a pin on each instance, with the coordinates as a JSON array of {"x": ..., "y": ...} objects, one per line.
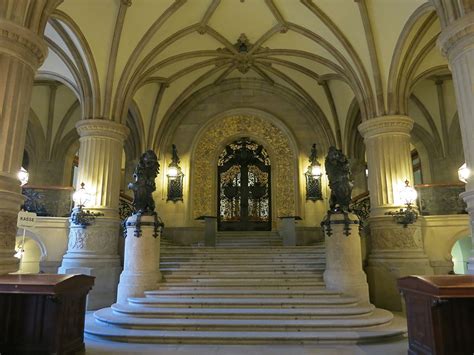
[
  {"x": 464, "y": 173},
  {"x": 408, "y": 194},
  {"x": 23, "y": 176}
]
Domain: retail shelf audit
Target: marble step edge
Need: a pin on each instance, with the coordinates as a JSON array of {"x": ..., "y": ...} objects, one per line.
[
  {"x": 240, "y": 276},
  {"x": 376, "y": 318},
  {"x": 95, "y": 331},
  {"x": 230, "y": 302},
  {"x": 242, "y": 313},
  {"x": 240, "y": 284},
  {"x": 243, "y": 293}
]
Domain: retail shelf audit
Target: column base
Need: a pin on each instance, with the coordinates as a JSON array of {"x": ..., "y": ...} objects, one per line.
[
  {"x": 106, "y": 270},
  {"x": 397, "y": 251},
  {"x": 383, "y": 270},
  {"x": 92, "y": 250}
]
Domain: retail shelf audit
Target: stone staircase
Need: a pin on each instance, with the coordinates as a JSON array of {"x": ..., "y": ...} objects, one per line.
[{"x": 245, "y": 291}]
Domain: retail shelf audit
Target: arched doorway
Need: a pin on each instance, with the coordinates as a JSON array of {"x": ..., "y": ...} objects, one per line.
[{"x": 244, "y": 187}]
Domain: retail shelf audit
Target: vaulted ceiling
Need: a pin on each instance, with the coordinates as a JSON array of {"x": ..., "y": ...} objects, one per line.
[{"x": 154, "y": 54}]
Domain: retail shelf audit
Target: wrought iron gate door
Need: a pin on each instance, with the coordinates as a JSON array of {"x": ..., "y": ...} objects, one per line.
[{"x": 244, "y": 196}]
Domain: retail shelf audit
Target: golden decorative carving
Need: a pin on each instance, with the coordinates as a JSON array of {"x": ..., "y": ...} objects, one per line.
[{"x": 210, "y": 145}]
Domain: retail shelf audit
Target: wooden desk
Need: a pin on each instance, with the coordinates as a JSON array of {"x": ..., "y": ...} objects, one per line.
[
  {"x": 43, "y": 314},
  {"x": 440, "y": 313}
]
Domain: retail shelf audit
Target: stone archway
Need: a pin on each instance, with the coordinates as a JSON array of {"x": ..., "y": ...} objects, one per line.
[{"x": 214, "y": 139}]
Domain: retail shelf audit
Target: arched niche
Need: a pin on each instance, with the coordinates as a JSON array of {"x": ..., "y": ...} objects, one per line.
[{"x": 221, "y": 131}]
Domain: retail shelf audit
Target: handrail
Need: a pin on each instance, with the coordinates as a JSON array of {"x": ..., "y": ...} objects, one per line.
[
  {"x": 360, "y": 196},
  {"x": 451, "y": 184},
  {"x": 48, "y": 187}
]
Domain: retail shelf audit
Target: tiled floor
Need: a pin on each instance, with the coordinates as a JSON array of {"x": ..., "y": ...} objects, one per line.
[{"x": 109, "y": 348}]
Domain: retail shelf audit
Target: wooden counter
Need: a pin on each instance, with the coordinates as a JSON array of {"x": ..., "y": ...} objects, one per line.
[
  {"x": 440, "y": 313},
  {"x": 43, "y": 314}
]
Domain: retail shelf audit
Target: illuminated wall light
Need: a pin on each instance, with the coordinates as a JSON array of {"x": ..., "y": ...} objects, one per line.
[{"x": 464, "y": 173}]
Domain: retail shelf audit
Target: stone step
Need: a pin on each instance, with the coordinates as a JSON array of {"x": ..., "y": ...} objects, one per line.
[
  {"x": 243, "y": 263},
  {"x": 241, "y": 271},
  {"x": 217, "y": 275},
  {"x": 189, "y": 302},
  {"x": 199, "y": 267},
  {"x": 242, "y": 258},
  {"x": 376, "y": 318},
  {"x": 242, "y": 312},
  {"x": 178, "y": 286},
  {"x": 97, "y": 331},
  {"x": 288, "y": 250},
  {"x": 246, "y": 293},
  {"x": 243, "y": 284}
]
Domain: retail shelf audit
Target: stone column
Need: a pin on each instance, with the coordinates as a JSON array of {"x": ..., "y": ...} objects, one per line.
[
  {"x": 93, "y": 250},
  {"x": 395, "y": 251},
  {"x": 22, "y": 51},
  {"x": 142, "y": 252},
  {"x": 457, "y": 44}
]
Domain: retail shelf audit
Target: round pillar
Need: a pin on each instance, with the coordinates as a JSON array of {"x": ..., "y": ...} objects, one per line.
[
  {"x": 93, "y": 249},
  {"x": 395, "y": 250},
  {"x": 457, "y": 44},
  {"x": 21, "y": 52}
]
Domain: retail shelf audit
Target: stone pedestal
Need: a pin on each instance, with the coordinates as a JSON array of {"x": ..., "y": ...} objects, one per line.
[
  {"x": 142, "y": 254},
  {"x": 210, "y": 231},
  {"x": 288, "y": 231},
  {"x": 92, "y": 250},
  {"x": 344, "y": 271}
]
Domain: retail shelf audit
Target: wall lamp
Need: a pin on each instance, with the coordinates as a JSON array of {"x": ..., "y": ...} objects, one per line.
[
  {"x": 407, "y": 215},
  {"x": 79, "y": 216},
  {"x": 175, "y": 178},
  {"x": 313, "y": 177},
  {"x": 464, "y": 173}
]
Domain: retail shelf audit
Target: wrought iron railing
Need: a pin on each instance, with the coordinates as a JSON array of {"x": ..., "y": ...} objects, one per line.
[
  {"x": 360, "y": 205},
  {"x": 433, "y": 199},
  {"x": 125, "y": 206},
  {"x": 440, "y": 199},
  {"x": 53, "y": 201}
]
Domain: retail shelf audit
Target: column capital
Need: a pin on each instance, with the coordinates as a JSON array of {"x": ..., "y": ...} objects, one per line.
[
  {"x": 394, "y": 124},
  {"x": 102, "y": 128},
  {"x": 22, "y": 43},
  {"x": 457, "y": 37}
]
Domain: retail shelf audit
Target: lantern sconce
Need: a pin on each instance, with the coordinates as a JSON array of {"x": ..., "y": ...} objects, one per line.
[
  {"x": 175, "y": 178},
  {"x": 313, "y": 177},
  {"x": 79, "y": 216},
  {"x": 407, "y": 215}
]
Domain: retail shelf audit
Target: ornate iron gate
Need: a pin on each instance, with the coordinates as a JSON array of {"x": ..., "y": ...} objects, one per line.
[{"x": 244, "y": 196}]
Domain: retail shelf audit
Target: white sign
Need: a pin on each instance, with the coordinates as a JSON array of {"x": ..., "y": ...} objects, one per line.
[{"x": 26, "y": 219}]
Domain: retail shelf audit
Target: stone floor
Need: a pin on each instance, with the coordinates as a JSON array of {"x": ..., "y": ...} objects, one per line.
[{"x": 109, "y": 348}]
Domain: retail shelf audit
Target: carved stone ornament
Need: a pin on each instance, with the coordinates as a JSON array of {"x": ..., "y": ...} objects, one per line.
[
  {"x": 101, "y": 240},
  {"x": 7, "y": 231},
  {"x": 210, "y": 145},
  {"x": 396, "y": 238}
]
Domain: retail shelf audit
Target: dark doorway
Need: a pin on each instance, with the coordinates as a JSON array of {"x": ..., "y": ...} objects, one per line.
[{"x": 244, "y": 196}]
